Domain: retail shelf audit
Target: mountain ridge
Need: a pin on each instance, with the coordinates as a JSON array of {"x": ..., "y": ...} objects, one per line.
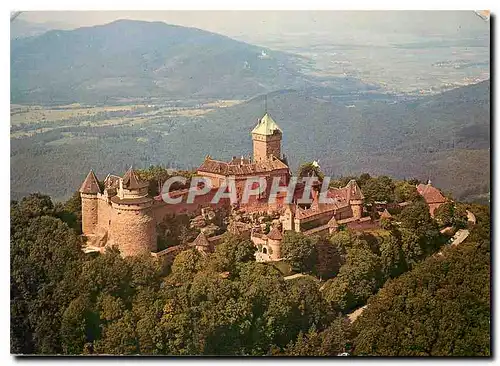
[{"x": 137, "y": 59}]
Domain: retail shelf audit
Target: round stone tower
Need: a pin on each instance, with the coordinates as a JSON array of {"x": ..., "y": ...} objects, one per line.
[
  {"x": 356, "y": 199},
  {"x": 133, "y": 227},
  {"x": 274, "y": 239},
  {"x": 88, "y": 193}
]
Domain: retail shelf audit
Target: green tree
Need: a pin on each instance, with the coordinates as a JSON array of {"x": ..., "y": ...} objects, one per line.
[
  {"x": 118, "y": 337},
  {"x": 231, "y": 252},
  {"x": 444, "y": 214},
  {"x": 299, "y": 251},
  {"x": 77, "y": 325},
  {"x": 328, "y": 259},
  {"x": 378, "y": 189},
  {"x": 363, "y": 178},
  {"x": 106, "y": 274},
  {"x": 404, "y": 191},
  {"x": 36, "y": 204},
  {"x": 310, "y": 169},
  {"x": 71, "y": 212},
  {"x": 357, "y": 280},
  {"x": 308, "y": 306},
  {"x": 45, "y": 260},
  {"x": 451, "y": 214},
  {"x": 392, "y": 258},
  {"x": 440, "y": 308},
  {"x": 332, "y": 341},
  {"x": 419, "y": 232},
  {"x": 186, "y": 264}
]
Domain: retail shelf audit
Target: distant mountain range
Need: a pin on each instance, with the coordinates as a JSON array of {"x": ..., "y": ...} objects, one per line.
[
  {"x": 20, "y": 28},
  {"x": 135, "y": 60}
]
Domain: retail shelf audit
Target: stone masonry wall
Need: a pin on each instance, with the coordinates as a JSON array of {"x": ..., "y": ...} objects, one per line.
[
  {"x": 105, "y": 214},
  {"x": 274, "y": 148},
  {"x": 263, "y": 146},
  {"x": 89, "y": 214},
  {"x": 133, "y": 231},
  {"x": 357, "y": 209}
]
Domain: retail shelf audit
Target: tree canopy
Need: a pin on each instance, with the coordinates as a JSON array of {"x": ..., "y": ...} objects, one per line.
[{"x": 225, "y": 303}]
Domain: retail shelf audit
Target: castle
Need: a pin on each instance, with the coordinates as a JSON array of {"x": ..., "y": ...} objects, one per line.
[{"x": 121, "y": 213}]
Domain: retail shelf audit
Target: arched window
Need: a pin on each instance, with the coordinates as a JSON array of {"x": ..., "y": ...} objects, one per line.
[{"x": 264, "y": 250}]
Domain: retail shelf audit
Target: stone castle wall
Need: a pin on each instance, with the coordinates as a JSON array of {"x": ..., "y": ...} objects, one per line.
[
  {"x": 89, "y": 213},
  {"x": 133, "y": 231},
  {"x": 357, "y": 208},
  {"x": 263, "y": 146},
  {"x": 162, "y": 209},
  {"x": 105, "y": 215}
]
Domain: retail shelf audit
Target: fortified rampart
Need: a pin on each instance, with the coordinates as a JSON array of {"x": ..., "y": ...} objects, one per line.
[{"x": 119, "y": 212}]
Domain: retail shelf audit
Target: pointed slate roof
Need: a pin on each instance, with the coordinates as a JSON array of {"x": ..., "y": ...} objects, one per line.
[
  {"x": 90, "y": 185},
  {"x": 385, "y": 215},
  {"x": 201, "y": 241},
  {"x": 266, "y": 126},
  {"x": 132, "y": 181},
  {"x": 354, "y": 192},
  {"x": 275, "y": 234},
  {"x": 112, "y": 181}
]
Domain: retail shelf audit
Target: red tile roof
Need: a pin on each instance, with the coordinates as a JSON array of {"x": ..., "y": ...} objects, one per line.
[
  {"x": 275, "y": 234},
  {"x": 237, "y": 228},
  {"x": 247, "y": 168},
  {"x": 385, "y": 215},
  {"x": 90, "y": 185},
  {"x": 131, "y": 181},
  {"x": 430, "y": 193}
]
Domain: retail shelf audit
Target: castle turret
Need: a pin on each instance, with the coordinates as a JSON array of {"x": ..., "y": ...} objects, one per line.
[
  {"x": 133, "y": 227},
  {"x": 132, "y": 187},
  {"x": 274, "y": 239},
  {"x": 266, "y": 138},
  {"x": 88, "y": 193},
  {"x": 356, "y": 198},
  {"x": 202, "y": 244},
  {"x": 288, "y": 219}
]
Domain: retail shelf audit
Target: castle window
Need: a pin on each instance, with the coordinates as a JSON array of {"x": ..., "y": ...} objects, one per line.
[
  {"x": 109, "y": 223},
  {"x": 264, "y": 250}
]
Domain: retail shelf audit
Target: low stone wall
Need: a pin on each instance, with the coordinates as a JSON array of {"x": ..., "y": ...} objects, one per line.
[{"x": 320, "y": 230}]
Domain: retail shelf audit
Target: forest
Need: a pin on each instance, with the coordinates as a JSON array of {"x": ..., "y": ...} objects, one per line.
[{"x": 422, "y": 296}]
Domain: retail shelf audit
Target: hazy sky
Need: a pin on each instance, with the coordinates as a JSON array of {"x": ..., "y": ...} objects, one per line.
[{"x": 259, "y": 23}]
